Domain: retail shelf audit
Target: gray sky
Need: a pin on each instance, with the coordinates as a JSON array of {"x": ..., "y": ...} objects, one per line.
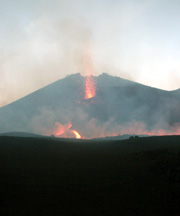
[{"x": 45, "y": 40}]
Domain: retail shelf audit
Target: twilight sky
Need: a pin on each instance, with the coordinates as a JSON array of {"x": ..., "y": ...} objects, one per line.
[{"x": 45, "y": 40}]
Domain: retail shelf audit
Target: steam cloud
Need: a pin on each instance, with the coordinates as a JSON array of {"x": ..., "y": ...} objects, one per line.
[{"x": 43, "y": 41}]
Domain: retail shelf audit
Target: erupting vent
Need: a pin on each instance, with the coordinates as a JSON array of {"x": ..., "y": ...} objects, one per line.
[
  {"x": 89, "y": 92},
  {"x": 90, "y": 88}
]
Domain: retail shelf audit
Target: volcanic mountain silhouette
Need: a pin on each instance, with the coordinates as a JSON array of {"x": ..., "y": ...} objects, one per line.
[{"x": 120, "y": 106}]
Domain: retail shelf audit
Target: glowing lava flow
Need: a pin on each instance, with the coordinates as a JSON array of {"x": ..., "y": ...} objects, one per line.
[
  {"x": 78, "y": 136},
  {"x": 65, "y": 131}
]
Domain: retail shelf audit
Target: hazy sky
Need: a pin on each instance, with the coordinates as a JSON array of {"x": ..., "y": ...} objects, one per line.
[{"x": 45, "y": 40}]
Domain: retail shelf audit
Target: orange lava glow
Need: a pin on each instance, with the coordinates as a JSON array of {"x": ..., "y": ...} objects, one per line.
[
  {"x": 91, "y": 129},
  {"x": 62, "y": 128},
  {"x": 90, "y": 88},
  {"x": 78, "y": 136},
  {"x": 65, "y": 131}
]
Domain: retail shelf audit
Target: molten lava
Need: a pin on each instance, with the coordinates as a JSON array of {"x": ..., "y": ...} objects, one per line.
[
  {"x": 90, "y": 88},
  {"x": 78, "y": 136},
  {"x": 62, "y": 128},
  {"x": 92, "y": 129},
  {"x": 65, "y": 131}
]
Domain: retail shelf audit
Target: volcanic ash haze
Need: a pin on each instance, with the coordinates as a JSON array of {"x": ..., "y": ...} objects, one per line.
[{"x": 117, "y": 106}]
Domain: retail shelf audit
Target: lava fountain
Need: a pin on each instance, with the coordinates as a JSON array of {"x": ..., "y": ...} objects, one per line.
[{"x": 90, "y": 88}]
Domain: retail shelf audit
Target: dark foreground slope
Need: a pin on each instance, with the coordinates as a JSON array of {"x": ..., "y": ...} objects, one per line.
[{"x": 44, "y": 176}]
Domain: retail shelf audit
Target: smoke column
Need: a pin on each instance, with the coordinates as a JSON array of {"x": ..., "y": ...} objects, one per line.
[{"x": 90, "y": 87}]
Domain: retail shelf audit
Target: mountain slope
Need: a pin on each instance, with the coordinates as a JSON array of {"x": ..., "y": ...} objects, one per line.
[{"x": 120, "y": 107}]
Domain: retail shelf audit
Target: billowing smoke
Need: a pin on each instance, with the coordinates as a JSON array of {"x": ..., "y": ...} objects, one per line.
[{"x": 43, "y": 41}]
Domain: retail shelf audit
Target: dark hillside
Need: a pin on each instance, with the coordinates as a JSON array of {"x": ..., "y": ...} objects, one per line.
[
  {"x": 49, "y": 176},
  {"x": 118, "y": 104}
]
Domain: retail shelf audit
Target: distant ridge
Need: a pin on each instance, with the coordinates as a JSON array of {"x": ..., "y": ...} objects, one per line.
[{"x": 20, "y": 134}]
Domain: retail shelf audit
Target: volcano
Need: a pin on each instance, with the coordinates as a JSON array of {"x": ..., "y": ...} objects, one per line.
[{"x": 117, "y": 106}]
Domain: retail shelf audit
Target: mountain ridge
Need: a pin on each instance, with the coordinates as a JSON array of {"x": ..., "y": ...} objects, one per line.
[
  {"x": 78, "y": 75},
  {"x": 120, "y": 106}
]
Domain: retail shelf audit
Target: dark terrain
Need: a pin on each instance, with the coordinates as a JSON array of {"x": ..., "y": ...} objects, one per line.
[{"x": 49, "y": 176}]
